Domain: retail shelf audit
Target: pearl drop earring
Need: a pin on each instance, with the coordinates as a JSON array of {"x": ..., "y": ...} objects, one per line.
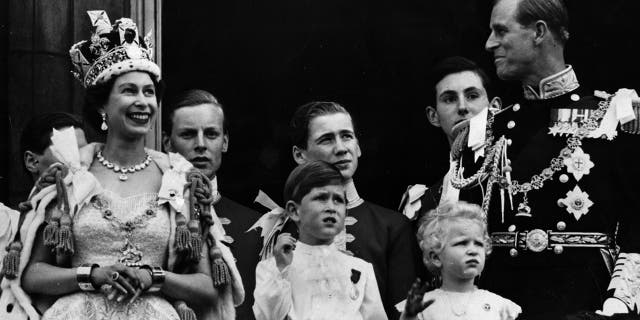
[{"x": 104, "y": 126}]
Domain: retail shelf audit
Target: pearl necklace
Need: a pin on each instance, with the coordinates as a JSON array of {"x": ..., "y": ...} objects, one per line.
[{"x": 123, "y": 171}]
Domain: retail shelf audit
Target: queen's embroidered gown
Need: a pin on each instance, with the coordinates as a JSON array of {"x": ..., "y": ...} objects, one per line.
[{"x": 111, "y": 229}]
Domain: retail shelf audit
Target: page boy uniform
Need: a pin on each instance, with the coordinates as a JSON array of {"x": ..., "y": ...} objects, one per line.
[{"x": 320, "y": 283}]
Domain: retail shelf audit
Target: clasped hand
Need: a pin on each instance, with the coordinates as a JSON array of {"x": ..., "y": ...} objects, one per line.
[{"x": 126, "y": 282}]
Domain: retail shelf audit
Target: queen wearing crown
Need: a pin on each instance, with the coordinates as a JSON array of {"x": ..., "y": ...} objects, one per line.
[{"x": 118, "y": 231}]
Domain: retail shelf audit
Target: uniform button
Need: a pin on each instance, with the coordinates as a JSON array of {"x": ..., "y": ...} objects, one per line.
[
  {"x": 513, "y": 252},
  {"x": 511, "y": 124},
  {"x": 516, "y": 107},
  {"x": 561, "y": 225},
  {"x": 512, "y": 228},
  {"x": 575, "y": 97},
  {"x": 557, "y": 249},
  {"x": 509, "y": 142},
  {"x": 563, "y": 178}
]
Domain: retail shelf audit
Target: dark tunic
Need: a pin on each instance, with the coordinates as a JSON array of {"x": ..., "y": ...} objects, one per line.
[
  {"x": 548, "y": 285},
  {"x": 245, "y": 247},
  {"x": 385, "y": 239}
]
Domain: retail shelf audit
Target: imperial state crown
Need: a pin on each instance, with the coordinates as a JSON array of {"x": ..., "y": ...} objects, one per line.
[{"x": 111, "y": 51}]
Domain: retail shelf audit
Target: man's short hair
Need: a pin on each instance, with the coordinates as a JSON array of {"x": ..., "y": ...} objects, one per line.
[
  {"x": 553, "y": 12},
  {"x": 299, "y": 125},
  {"x": 453, "y": 65},
  {"x": 36, "y": 134},
  {"x": 190, "y": 98},
  {"x": 309, "y": 175}
]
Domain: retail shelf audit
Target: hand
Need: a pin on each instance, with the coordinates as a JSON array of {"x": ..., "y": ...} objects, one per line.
[
  {"x": 123, "y": 280},
  {"x": 144, "y": 280},
  {"x": 414, "y": 303},
  {"x": 283, "y": 250}
]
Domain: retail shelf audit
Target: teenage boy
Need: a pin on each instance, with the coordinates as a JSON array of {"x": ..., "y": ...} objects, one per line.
[{"x": 382, "y": 237}]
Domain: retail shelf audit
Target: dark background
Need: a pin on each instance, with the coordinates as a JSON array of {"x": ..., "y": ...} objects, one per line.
[{"x": 262, "y": 59}]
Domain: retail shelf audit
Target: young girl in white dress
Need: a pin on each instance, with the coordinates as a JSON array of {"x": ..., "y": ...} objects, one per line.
[{"x": 455, "y": 244}]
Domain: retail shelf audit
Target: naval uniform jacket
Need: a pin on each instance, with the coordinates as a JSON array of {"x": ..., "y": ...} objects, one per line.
[{"x": 561, "y": 280}]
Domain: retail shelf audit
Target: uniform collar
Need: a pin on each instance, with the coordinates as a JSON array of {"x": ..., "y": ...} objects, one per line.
[
  {"x": 353, "y": 199},
  {"x": 214, "y": 189},
  {"x": 553, "y": 86}
]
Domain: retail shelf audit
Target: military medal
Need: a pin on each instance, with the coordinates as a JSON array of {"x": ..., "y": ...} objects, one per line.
[
  {"x": 354, "y": 293},
  {"x": 577, "y": 202},
  {"x": 569, "y": 121},
  {"x": 579, "y": 163},
  {"x": 572, "y": 156}
]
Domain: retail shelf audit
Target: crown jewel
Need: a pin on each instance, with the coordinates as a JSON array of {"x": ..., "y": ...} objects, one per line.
[{"x": 112, "y": 50}]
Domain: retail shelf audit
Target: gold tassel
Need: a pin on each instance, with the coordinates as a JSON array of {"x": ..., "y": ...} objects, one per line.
[
  {"x": 52, "y": 175},
  {"x": 50, "y": 233},
  {"x": 65, "y": 236},
  {"x": 11, "y": 262},
  {"x": 200, "y": 197},
  {"x": 219, "y": 269},
  {"x": 184, "y": 312},
  {"x": 65, "y": 231},
  {"x": 196, "y": 240},
  {"x": 183, "y": 237}
]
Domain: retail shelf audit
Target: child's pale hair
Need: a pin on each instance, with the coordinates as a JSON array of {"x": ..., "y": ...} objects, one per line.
[{"x": 434, "y": 229}]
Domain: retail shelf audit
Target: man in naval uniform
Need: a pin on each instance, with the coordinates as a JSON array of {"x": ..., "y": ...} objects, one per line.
[
  {"x": 566, "y": 192},
  {"x": 195, "y": 126},
  {"x": 382, "y": 237},
  {"x": 458, "y": 91}
]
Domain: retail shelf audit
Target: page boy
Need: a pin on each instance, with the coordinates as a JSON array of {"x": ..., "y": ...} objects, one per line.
[{"x": 310, "y": 278}]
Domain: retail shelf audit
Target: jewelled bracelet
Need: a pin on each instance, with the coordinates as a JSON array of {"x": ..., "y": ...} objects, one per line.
[
  {"x": 157, "y": 277},
  {"x": 83, "y": 276}
]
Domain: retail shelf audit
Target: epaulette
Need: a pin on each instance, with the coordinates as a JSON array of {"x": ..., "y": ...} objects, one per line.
[{"x": 626, "y": 105}]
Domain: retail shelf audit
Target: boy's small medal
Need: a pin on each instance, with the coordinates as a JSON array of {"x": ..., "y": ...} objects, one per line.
[{"x": 355, "y": 277}]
